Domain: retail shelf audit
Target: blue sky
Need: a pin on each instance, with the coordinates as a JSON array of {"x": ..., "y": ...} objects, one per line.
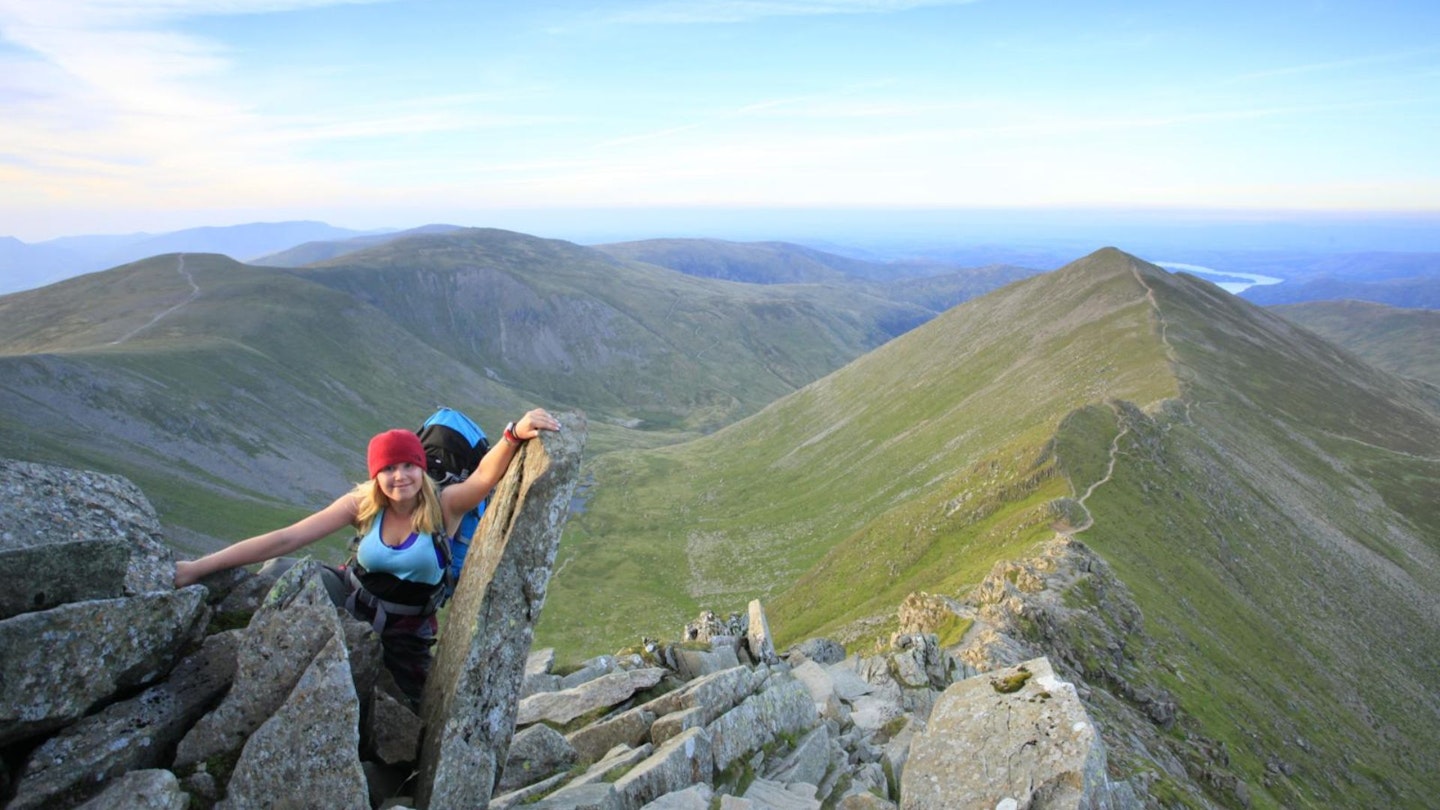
[{"x": 130, "y": 115}]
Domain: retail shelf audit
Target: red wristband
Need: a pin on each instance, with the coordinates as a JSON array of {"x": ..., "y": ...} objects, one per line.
[{"x": 509, "y": 435}]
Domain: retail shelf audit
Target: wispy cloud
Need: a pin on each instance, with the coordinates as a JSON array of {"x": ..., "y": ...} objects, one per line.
[{"x": 682, "y": 12}]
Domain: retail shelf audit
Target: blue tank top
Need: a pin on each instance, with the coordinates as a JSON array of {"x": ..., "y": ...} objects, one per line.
[{"x": 415, "y": 560}]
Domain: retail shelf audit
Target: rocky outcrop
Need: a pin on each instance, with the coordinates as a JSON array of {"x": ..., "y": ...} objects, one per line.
[
  {"x": 294, "y": 707},
  {"x": 471, "y": 697},
  {"x": 1017, "y": 737}
]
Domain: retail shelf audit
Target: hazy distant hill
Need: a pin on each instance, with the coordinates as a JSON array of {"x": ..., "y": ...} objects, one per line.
[
  {"x": 24, "y": 267},
  {"x": 1268, "y": 500},
  {"x": 1402, "y": 341},
  {"x": 312, "y": 252},
  {"x": 1406, "y": 293},
  {"x": 644, "y": 345}
]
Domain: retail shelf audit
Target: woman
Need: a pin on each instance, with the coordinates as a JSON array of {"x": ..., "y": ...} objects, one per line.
[{"x": 397, "y": 514}]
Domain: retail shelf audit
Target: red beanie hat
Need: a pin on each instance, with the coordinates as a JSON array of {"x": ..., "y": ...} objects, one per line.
[{"x": 393, "y": 447}]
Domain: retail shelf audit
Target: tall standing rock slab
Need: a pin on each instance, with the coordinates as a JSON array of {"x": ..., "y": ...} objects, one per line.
[{"x": 474, "y": 687}]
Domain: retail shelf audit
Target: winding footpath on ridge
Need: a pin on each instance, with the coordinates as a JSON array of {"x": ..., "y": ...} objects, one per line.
[
  {"x": 1115, "y": 443},
  {"x": 194, "y": 293}
]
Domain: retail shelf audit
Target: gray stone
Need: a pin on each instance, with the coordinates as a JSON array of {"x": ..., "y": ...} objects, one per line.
[
  {"x": 131, "y": 735},
  {"x": 540, "y": 662},
  {"x": 542, "y": 682},
  {"x": 758, "y": 638},
  {"x": 695, "y": 797},
  {"x": 310, "y": 747},
  {"x": 820, "y": 650},
  {"x": 808, "y": 763},
  {"x": 817, "y": 681},
  {"x": 874, "y": 712},
  {"x": 864, "y": 801},
  {"x": 393, "y": 729},
  {"x": 784, "y": 707},
  {"x": 528, "y": 794},
  {"x": 536, "y": 753},
  {"x": 769, "y": 795},
  {"x": 620, "y": 759},
  {"x": 1016, "y": 737},
  {"x": 153, "y": 789},
  {"x": 41, "y": 504},
  {"x": 895, "y": 754},
  {"x": 566, "y": 705},
  {"x": 717, "y": 692},
  {"x": 46, "y": 576},
  {"x": 596, "y": 796},
  {"x": 282, "y": 640},
  {"x": 470, "y": 700},
  {"x": 691, "y": 664},
  {"x": 589, "y": 671},
  {"x": 676, "y": 765},
  {"x": 847, "y": 684},
  {"x": 673, "y": 723},
  {"x": 60, "y": 663},
  {"x": 630, "y": 728}
]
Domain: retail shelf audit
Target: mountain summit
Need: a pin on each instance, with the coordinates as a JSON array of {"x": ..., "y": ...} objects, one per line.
[{"x": 1265, "y": 498}]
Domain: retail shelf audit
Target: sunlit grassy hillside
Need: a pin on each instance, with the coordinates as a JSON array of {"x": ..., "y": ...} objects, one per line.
[{"x": 1267, "y": 497}]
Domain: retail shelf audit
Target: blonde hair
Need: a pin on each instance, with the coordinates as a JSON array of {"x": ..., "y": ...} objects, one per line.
[{"x": 428, "y": 517}]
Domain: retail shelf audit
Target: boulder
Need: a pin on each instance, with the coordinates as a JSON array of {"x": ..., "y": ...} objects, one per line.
[
  {"x": 131, "y": 735},
  {"x": 393, "y": 729},
  {"x": 470, "y": 699},
  {"x": 284, "y": 636},
  {"x": 695, "y": 797},
  {"x": 61, "y": 663},
  {"x": 152, "y": 789},
  {"x": 763, "y": 794},
  {"x": 310, "y": 746},
  {"x": 820, "y": 650},
  {"x": 45, "y": 576},
  {"x": 758, "y": 638},
  {"x": 630, "y": 728},
  {"x": 676, "y": 765},
  {"x": 45, "y": 504},
  {"x": 783, "y": 707},
  {"x": 1017, "y": 737},
  {"x": 594, "y": 796},
  {"x": 566, "y": 705},
  {"x": 536, "y": 753},
  {"x": 589, "y": 671},
  {"x": 808, "y": 762}
]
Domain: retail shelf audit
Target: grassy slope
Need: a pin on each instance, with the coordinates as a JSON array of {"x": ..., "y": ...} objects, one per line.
[
  {"x": 627, "y": 342},
  {"x": 1278, "y": 541},
  {"x": 968, "y": 402},
  {"x": 235, "y": 411},
  {"x": 1401, "y": 341},
  {"x": 1267, "y": 508}
]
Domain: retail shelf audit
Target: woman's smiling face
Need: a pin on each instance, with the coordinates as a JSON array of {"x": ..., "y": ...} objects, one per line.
[{"x": 400, "y": 482}]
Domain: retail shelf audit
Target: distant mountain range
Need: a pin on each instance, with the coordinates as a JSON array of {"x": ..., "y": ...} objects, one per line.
[
  {"x": 24, "y": 266},
  {"x": 830, "y": 442}
]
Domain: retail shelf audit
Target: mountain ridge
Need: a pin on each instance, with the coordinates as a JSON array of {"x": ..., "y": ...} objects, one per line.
[{"x": 1243, "y": 460}]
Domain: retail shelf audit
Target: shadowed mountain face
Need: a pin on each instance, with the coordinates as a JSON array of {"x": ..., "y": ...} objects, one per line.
[
  {"x": 1268, "y": 499},
  {"x": 1401, "y": 341},
  {"x": 651, "y": 346}
]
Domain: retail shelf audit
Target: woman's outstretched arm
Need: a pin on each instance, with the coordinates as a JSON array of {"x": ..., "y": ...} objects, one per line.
[{"x": 270, "y": 545}]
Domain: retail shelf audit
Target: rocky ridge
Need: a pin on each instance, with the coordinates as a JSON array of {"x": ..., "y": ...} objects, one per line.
[{"x": 123, "y": 692}]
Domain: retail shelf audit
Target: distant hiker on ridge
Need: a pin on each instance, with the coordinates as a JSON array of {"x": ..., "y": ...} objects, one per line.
[{"x": 396, "y": 581}]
